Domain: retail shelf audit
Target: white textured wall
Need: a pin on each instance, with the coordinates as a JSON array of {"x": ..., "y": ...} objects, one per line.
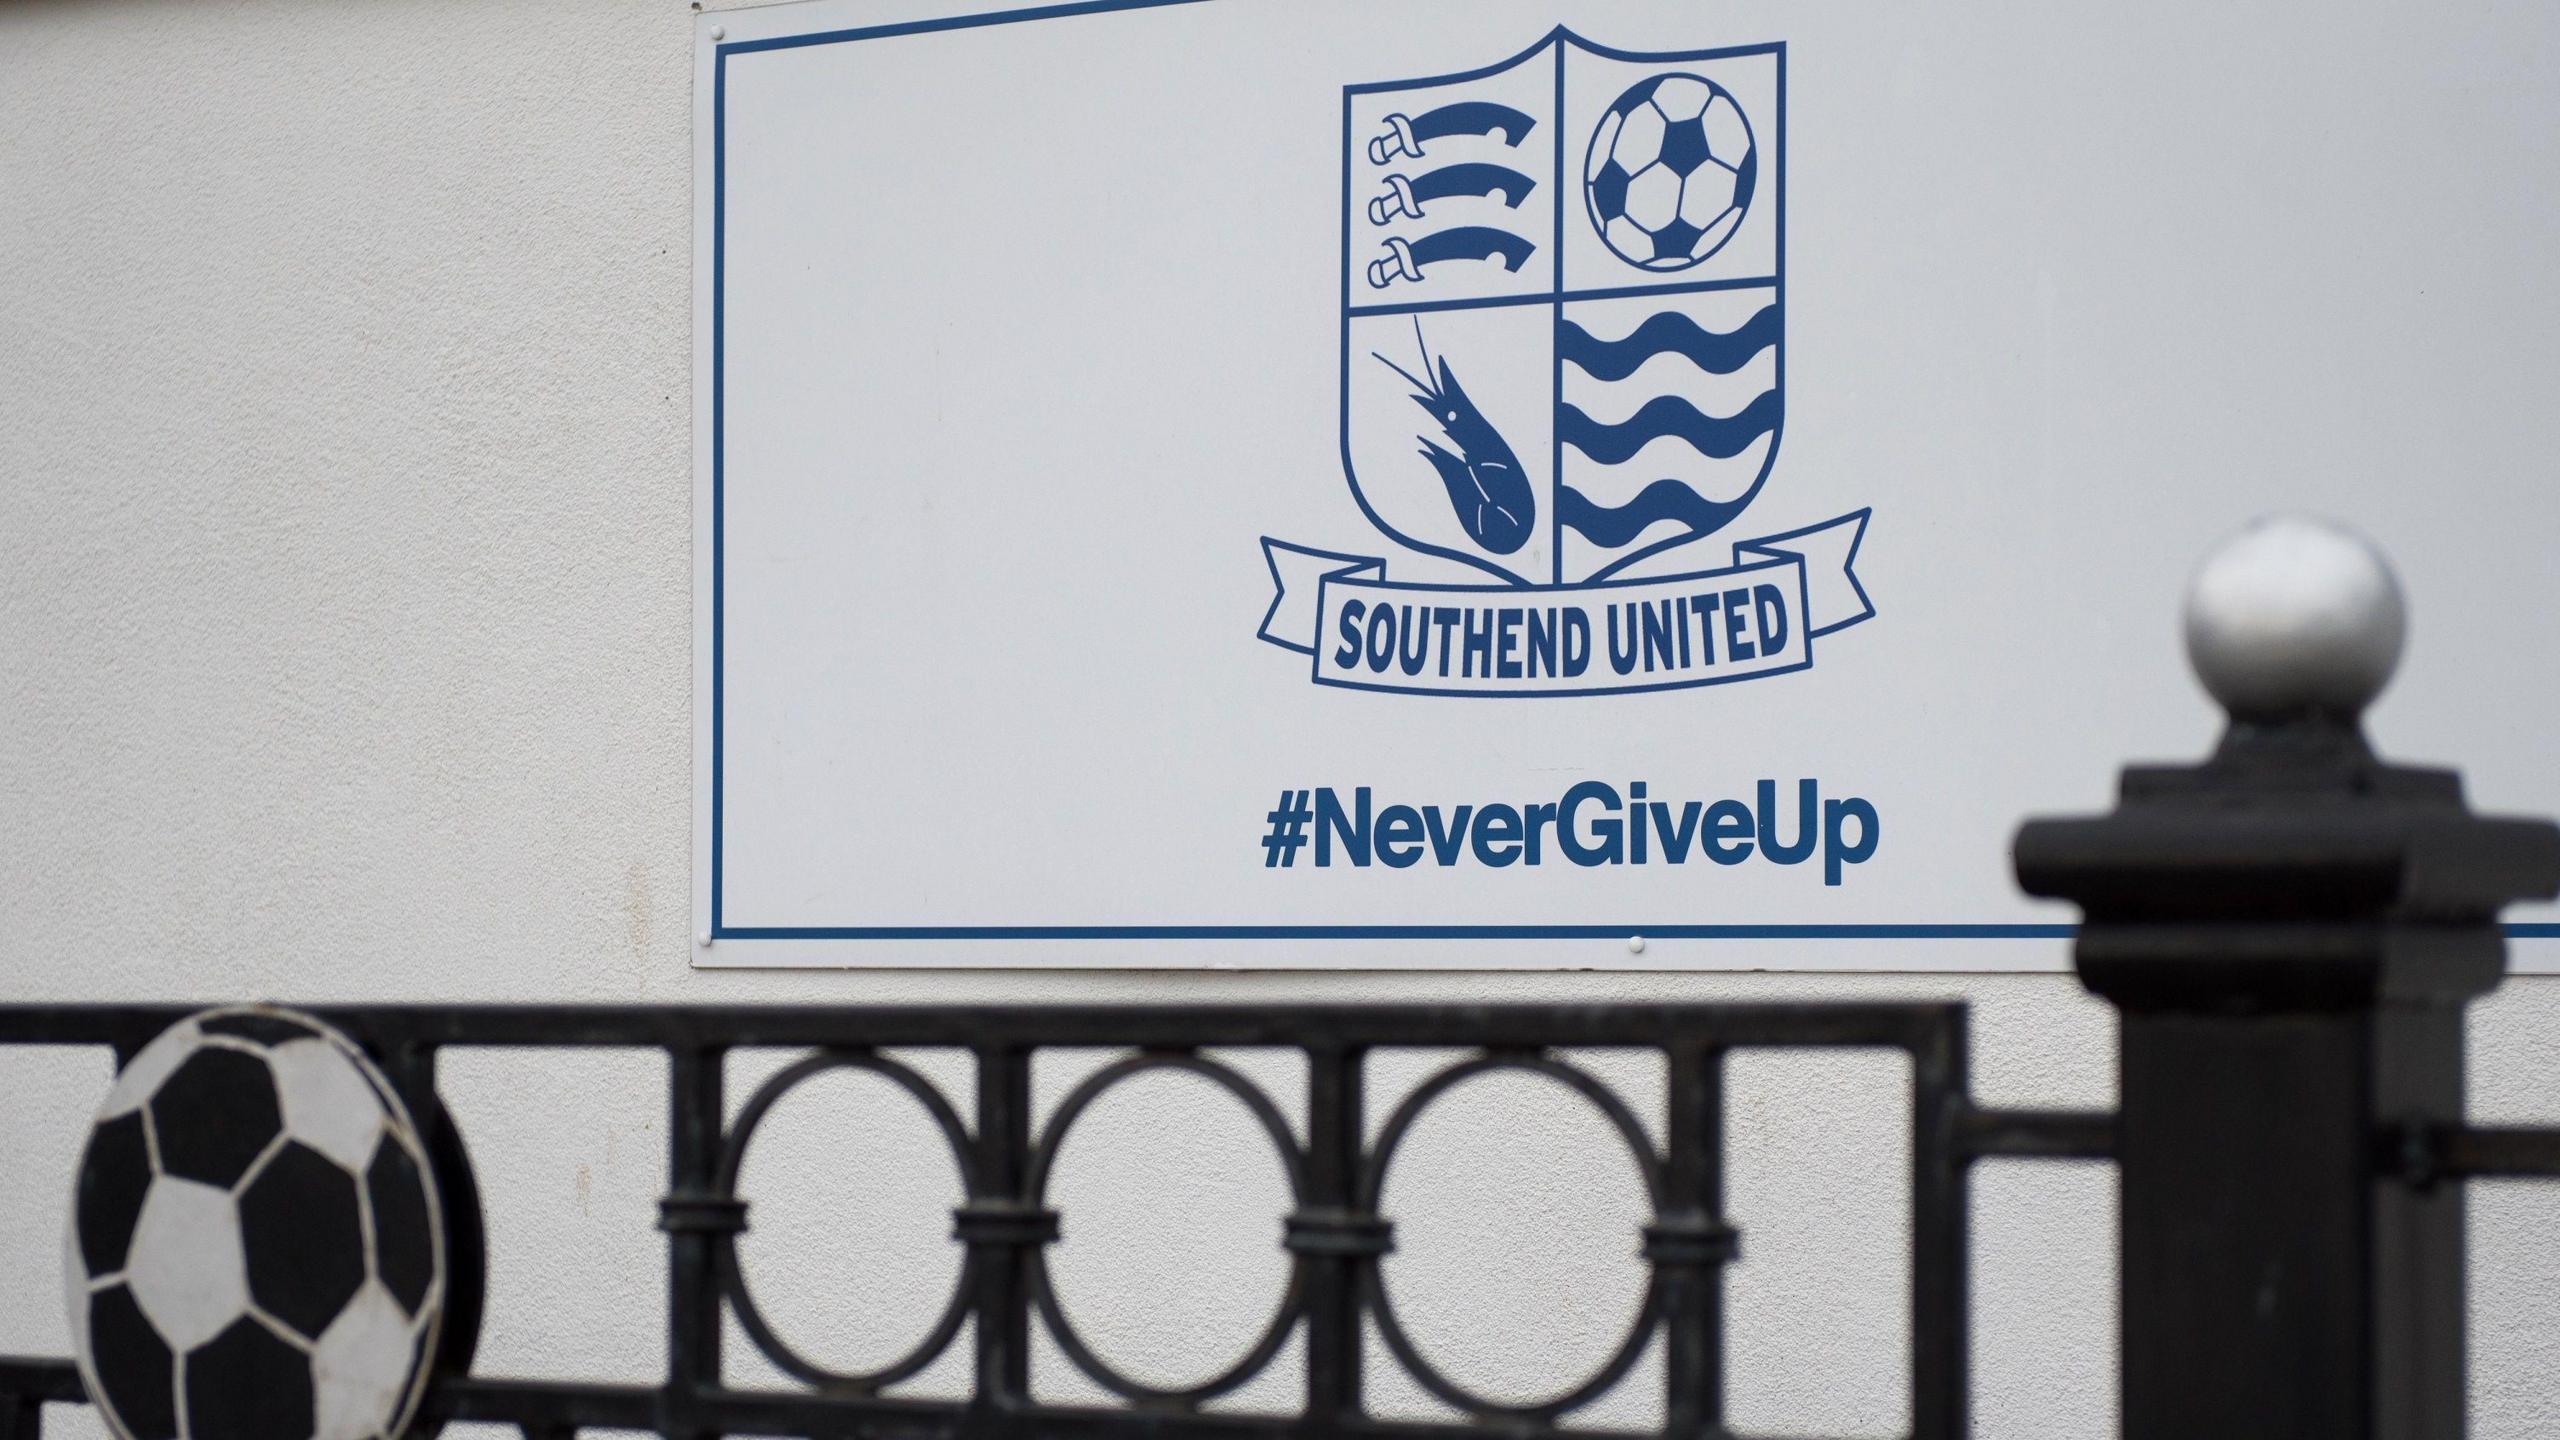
[{"x": 345, "y": 608}]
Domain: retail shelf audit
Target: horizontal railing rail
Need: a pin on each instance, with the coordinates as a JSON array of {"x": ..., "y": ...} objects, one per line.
[{"x": 388, "y": 1028}]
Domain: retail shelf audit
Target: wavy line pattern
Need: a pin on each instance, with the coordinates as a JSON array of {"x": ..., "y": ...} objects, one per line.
[
  {"x": 1718, "y": 439},
  {"x": 1610, "y": 526},
  {"x": 1670, "y": 333}
]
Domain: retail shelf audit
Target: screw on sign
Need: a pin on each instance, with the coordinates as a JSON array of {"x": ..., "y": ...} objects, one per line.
[{"x": 256, "y": 1250}]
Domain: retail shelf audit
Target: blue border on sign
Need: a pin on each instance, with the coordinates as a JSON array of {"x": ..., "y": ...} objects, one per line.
[
  {"x": 719, "y": 627},
  {"x": 719, "y": 434}
]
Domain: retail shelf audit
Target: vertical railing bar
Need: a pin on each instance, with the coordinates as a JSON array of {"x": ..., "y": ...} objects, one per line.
[
  {"x": 1334, "y": 1122},
  {"x": 410, "y": 1065},
  {"x": 1940, "y": 1253},
  {"x": 21, "y": 1417},
  {"x": 695, "y": 1120},
  {"x": 1693, "y": 1294},
  {"x": 1003, "y": 1299},
  {"x": 1711, "y": 1379}
]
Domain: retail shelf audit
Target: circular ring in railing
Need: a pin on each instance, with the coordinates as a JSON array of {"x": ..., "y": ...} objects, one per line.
[
  {"x": 1373, "y": 1184},
  {"x": 1284, "y": 1317},
  {"x": 733, "y": 1280}
]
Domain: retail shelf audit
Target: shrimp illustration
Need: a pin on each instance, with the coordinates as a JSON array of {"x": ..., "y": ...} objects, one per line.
[{"x": 1485, "y": 484}]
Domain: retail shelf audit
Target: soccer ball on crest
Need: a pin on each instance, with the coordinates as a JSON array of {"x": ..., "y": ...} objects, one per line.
[
  {"x": 1670, "y": 171},
  {"x": 256, "y": 1249}
]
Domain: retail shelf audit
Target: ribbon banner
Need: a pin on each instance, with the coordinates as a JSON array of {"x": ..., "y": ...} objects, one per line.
[{"x": 1758, "y": 616}]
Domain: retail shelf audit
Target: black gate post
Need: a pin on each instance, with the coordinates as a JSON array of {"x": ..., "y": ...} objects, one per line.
[{"x": 2290, "y": 931}]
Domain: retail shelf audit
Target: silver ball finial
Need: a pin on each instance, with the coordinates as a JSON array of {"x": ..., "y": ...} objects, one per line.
[{"x": 2292, "y": 617}]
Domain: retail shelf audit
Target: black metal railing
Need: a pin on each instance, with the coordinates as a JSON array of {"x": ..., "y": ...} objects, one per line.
[
  {"x": 2291, "y": 932},
  {"x": 1336, "y": 1232}
]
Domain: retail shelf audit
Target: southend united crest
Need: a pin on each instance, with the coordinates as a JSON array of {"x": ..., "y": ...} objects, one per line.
[{"x": 1563, "y": 305}]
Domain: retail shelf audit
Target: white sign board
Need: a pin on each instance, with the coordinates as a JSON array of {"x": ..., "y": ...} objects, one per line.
[{"x": 1635, "y": 484}]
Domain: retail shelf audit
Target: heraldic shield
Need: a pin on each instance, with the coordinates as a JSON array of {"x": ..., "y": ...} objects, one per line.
[
  {"x": 1564, "y": 304},
  {"x": 1563, "y": 335}
]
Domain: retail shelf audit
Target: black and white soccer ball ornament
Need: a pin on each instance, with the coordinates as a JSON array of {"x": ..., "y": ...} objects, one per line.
[
  {"x": 1670, "y": 171},
  {"x": 256, "y": 1251}
]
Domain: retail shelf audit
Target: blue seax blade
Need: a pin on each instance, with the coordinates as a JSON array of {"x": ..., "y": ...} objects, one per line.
[
  {"x": 1474, "y": 242},
  {"x": 1474, "y": 117},
  {"x": 1450, "y": 181}
]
